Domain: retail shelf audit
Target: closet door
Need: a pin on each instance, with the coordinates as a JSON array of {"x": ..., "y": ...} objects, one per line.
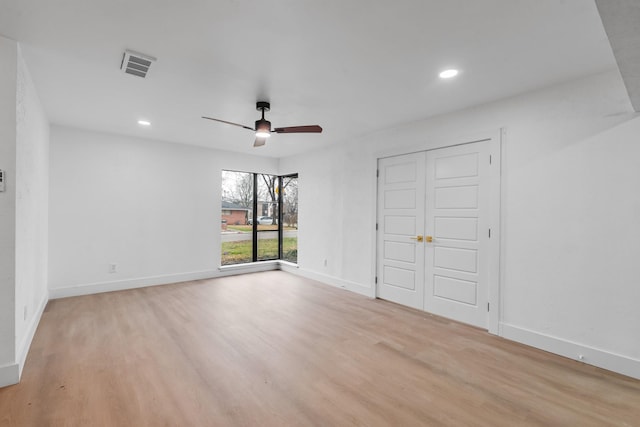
[
  {"x": 457, "y": 228},
  {"x": 401, "y": 221}
]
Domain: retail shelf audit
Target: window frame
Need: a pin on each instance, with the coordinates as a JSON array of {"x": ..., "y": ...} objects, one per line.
[{"x": 254, "y": 222}]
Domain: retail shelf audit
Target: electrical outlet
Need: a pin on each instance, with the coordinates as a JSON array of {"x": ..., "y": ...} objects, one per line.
[
  {"x": 113, "y": 268},
  {"x": 2, "y": 180}
]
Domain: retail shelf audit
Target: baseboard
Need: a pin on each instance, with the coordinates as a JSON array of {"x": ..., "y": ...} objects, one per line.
[
  {"x": 141, "y": 282},
  {"x": 582, "y": 353},
  {"x": 329, "y": 280},
  {"x": 120, "y": 285},
  {"x": 254, "y": 267},
  {"x": 9, "y": 374},
  {"x": 25, "y": 345}
]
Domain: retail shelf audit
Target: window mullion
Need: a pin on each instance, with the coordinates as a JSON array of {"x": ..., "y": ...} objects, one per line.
[{"x": 254, "y": 222}]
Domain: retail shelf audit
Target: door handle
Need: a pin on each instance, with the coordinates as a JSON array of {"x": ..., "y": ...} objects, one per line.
[
  {"x": 428, "y": 239},
  {"x": 418, "y": 238}
]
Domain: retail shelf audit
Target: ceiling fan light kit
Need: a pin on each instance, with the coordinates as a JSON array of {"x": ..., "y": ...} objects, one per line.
[
  {"x": 263, "y": 127},
  {"x": 262, "y": 133}
]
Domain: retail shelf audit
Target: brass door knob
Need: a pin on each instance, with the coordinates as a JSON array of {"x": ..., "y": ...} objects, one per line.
[
  {"x": 429, "y": 239},
  {"x": 418, "y": 238}
]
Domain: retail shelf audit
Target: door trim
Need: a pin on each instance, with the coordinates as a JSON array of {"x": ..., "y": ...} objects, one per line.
[{"x": 495, "y": 217}]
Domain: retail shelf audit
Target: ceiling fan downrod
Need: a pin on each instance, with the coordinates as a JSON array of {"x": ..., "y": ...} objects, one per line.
[{"x": 263, "y": 127}]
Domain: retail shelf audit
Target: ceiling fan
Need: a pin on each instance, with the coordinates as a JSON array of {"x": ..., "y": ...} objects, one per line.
[{"x": 263, "y": 127}]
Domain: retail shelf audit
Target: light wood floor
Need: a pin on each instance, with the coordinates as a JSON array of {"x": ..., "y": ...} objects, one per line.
[{"x": 273, "y": 349}]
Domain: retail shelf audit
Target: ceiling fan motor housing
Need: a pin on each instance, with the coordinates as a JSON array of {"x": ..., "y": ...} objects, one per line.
[{"x": 263, "y": 125}]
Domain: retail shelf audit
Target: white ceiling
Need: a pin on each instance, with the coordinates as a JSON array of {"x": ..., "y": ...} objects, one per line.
[{"x": 352, "y": 66}]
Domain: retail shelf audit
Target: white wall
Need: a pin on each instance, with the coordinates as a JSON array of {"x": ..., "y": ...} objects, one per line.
[
  {"x": 8, "y": 78},
  {"x": 24, "y": 156},
  {"x": 150, "y": 207},
  {"x": 335, "y": 202},
  {"x": 32, "y": 210},
  {"x": 570, "y": 209}
]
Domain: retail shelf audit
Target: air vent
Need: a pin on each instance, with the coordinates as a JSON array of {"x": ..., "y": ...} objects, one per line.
[{"x": 136, "y": 63}]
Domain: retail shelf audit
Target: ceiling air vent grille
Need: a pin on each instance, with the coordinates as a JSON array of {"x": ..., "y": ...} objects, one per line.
[{"x": 136, "y": 63}]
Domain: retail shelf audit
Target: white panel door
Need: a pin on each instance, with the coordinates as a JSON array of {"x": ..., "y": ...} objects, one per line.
[
  {"x": 401, "y": 219},
  {"x": 457, "y": 223}
]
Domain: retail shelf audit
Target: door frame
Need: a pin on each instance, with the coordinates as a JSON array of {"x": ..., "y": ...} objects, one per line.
[{"x": 495, "y": 218}]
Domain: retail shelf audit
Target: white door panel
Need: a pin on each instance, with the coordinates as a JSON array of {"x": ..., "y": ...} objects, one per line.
[
  {"x": 456, "y": 228},
  {"x": 459, "y": 259},
  {"x": 400, "y": 199},
  {"x": 400, "y": 251},
  {"x": 400, "y": 278},
  {"x": 404, "y": 171},
  {"x": 456, "y": 166},
  {"x": 456, "y": 290},
  {"x": 457, "y": 217},
  {"x": 403, "y": 225},
  {"x": 460, "y": 197},
  {"x": 401, "y": 209}
]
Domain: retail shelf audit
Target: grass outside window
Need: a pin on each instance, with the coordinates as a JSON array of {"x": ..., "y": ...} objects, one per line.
[{"x": 241, "y": 252}]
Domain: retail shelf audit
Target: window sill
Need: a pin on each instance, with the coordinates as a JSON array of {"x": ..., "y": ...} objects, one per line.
[{"x": 257, "y": 266}]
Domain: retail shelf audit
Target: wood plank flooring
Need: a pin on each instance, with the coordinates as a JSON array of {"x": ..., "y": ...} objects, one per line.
[{"x": 274, "y": 349}]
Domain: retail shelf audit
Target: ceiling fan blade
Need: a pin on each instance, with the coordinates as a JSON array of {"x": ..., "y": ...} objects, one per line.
[
  {"x": 260, "y": 141},
  {"x": 299, "y": 129},
  {"x": 229, "y": 123}
]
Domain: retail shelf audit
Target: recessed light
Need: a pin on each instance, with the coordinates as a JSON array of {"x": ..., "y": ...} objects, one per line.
[
  {"x": 144, "y": 123},
  {"x": 447, "y": 74}
]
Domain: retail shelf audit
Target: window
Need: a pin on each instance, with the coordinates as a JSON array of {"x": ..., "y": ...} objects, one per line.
[
  {"x": 236, "y": 230},
  {"x": 290, "y": 218},
  {"x": 259, "y": 217},
  {"x": 268, "y": 212}
]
